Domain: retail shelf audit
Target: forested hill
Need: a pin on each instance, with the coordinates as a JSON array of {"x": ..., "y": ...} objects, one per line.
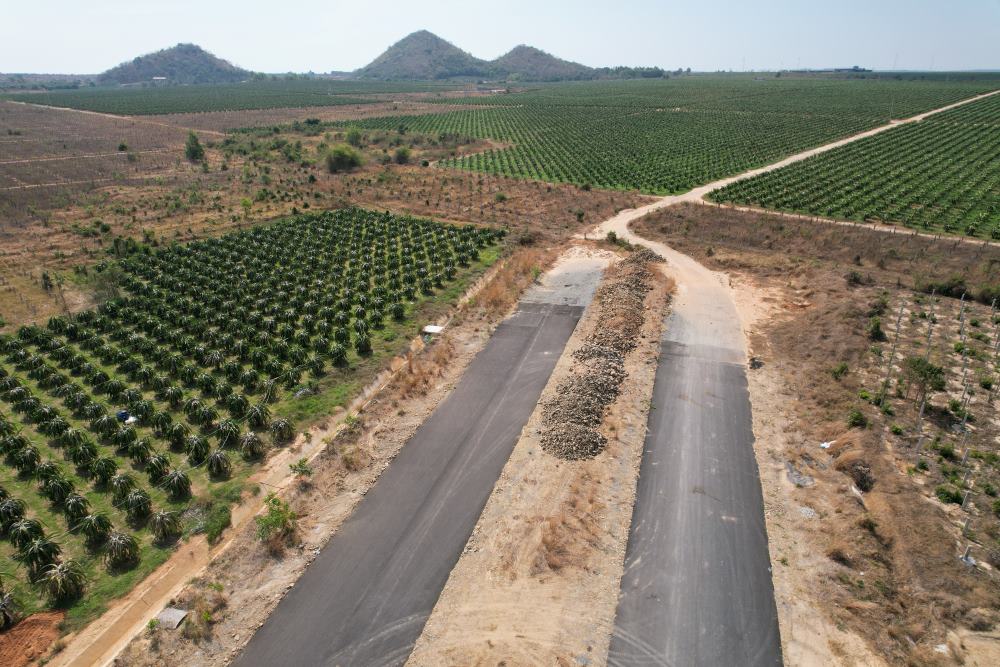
[{"x": 184, "y": 63}]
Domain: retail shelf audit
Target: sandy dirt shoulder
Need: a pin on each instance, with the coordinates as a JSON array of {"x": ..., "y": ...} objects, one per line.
[
  {"x": 808, "y": 638},
  {"x": 538, "y": 580}
]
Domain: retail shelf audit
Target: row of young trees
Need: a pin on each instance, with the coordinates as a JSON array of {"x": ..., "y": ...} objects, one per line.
[{"x": 190, "y": 363}]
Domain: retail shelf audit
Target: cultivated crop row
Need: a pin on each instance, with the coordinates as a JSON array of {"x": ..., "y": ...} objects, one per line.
[
  {"x": 115, "y": 422},
  {"x": 225, "y": 97},
  {"x": 939, "y": 175},
  {"x": 665, "y": 137}
]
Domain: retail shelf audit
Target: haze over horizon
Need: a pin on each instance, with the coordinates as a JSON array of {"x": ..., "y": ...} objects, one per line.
[{"x": 317, "y": 36}]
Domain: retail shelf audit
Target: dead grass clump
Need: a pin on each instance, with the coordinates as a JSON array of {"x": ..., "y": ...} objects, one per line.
[
  {"x": 564, "y": 534},
  {"x": 205, "y": 607},
  {"x": 518, "y": 271},
  {"x": 838, "y": 554},
  {"x": 555, "y": 550},
  {"x": 355, "y": 458},
  {"x": 414, "y": 379}
]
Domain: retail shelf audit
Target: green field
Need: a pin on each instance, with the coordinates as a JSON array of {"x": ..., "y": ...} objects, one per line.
[
  {"x": 219, "y": 347},
  {"x": 941, "y": 174},
  {"x": 668, "y": 136},
  {"x": 229, "y": 97}
]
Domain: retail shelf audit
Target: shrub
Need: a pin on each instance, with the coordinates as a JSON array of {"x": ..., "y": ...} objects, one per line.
[
  {"x": 251, "y": 446},
  {"x": 9, "y": 612},
  {"x": 896, "y": 429},
  {"x": 277, "y": 525},
  {"x": 839, "y": 371},
  {"x": 854, "y": 278},
  {"x": 874, "y": 329},
  {"x": 218, "y": 464},
  {"x": 301, "y": 468},
  {"x": 948, "y": 494},
  {"x": 282, "y": 430},
  {"x": 342, "y": 158},
  {"x": 96, "y": 527},
  {"x": 64, "y": 581},
  {"x": 178, "y": 484},
  {"x": 193, "y": 150},
  {"x": 122, "y": 549},
  {"x": 953, "y": 287},
  {"x": 402, "y": 155},
  {"x": 165, "y": 525},
  {"x": 137, "y": 504},
  {"x": 857, "y": 419}
]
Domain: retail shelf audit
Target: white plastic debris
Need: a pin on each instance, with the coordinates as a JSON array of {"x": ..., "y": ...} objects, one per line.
[
  {"x": 826, "y": 445},
  {"x": 171, "y": 617},
  {"x": 432, "y": 329}
]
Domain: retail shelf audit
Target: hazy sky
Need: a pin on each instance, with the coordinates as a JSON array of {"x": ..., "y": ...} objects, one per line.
[{"x": 89, "y": 36}]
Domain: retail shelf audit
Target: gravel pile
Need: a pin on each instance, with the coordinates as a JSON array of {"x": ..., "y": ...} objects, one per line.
[
  {"x": 571, "y": 417},
  {"x": 573, "y": 441},
  {"x": 583, "y": 397}
]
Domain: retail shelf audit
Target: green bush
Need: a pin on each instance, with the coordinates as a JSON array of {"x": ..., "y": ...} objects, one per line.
[
  {"x": 857, "y": 419},
  {"x": 278, "y": 522},
  {"x": 343, "y": 158},
  {"x": 874, "y": 329},
  {"x": 948, "y": 494},
  {"x": 839, "y": 371},
  {"x": 193, "y": 150}
]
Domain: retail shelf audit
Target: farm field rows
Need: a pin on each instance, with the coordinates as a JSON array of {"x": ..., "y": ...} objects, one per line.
[
  {"x": 669, "y": 136},
  {"x": 940, "y": 174},
  {"x": 226, "y": 97},
  {"x": 222, "y": 350}
]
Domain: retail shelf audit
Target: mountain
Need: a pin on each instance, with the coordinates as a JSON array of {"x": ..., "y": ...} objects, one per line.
[
  {"x": 184, "y": 63},
  {"x": 423, "y": 55},
  {"x": 531, "y": 64}
]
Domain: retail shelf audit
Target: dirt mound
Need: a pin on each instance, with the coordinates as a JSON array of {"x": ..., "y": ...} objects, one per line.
[
  {"x": 599, "y": 369},
  {"x": 30, "y": 639}
]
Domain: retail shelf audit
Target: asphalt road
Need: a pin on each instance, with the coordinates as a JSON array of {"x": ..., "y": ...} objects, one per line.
[
  {"x": 696, "y": 589},
  {"x": 366, "y": 597}
]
